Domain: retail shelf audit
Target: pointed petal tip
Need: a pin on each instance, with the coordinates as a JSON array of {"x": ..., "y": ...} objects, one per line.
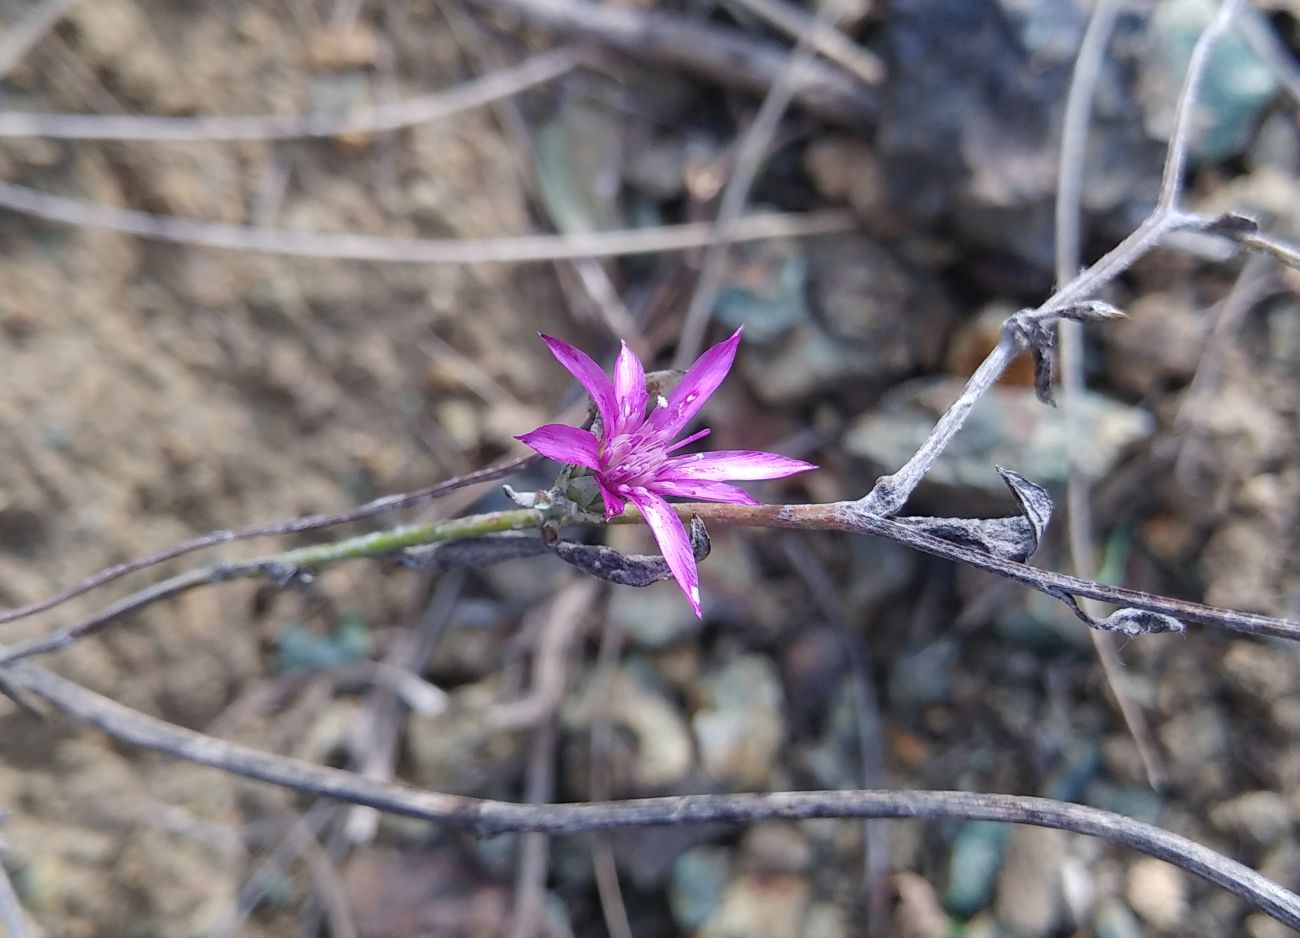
[{"x": 564, "y": 444}]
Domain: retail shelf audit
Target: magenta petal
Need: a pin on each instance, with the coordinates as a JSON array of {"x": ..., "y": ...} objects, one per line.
[
  {"x": 629, "y": 391},
  {"x": 564, "y": 444},
  {"x": 695, "y": 387},
  {"x": 702, "y": 491},
  {"x": 725, "y": 464},
  {"x": 614, "y": 503},
  {"x": 589, "y": 375},
  {"x": 673, "y": 542}
]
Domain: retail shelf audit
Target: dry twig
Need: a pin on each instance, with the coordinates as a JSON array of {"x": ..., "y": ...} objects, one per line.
[
  {"x": 750, "y": 152},
  {"x": 379, "y": 506},
  {"x": 1139, "y": 612},
  {"x": 826, "y": 38},
  {"x": 20, "y": 40},
  {"x": 866, "y": 705},
  {"x": 603, "y": 864},
  {"x": 892, "y": 491},
  {"x": 487, "y": 818},
  {"x": 11, "y": 910},
  {"x": 539, "y": 712},
  {"x": 358, "y": 247},
  {"x": 384, "y": 117},
  {"x": 727, "y": 56},
  {"x": 1069, "y": 230}
]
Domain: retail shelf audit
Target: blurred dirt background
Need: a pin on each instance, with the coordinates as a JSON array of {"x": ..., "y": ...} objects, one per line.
[{"x": 152, "y": 391}]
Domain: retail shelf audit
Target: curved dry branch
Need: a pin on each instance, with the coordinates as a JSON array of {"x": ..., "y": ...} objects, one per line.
[
  {"x": 487, "y": 817},
  {"x": 891, "y": 492},
  {"x": 524, "y": 249}
]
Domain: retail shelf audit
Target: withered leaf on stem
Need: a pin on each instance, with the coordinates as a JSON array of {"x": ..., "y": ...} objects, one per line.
[{"x": 1014, "y": 538}]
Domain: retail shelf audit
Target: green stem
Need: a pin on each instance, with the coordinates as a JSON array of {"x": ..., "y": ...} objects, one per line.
[{"x": 413, "y": 535}]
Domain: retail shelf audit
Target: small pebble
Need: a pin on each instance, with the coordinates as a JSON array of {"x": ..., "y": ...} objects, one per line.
[
  {"x": 699, "y": 877},
  {"x": 1262, "y": 816},
  {"x": 1157, "y": 892},
  {"x": 759, "y": 906}
]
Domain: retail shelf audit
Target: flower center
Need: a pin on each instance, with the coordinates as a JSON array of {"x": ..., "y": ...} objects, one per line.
[{"x": 631, "y": 458}]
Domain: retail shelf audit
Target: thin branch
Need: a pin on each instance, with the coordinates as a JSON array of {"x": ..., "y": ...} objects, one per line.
[
  {"x": 891, "y": 492},
  {"x": 273, "y": 866},
  {"x": 487, "y": 818},
  {"x": 593, "y": 277},
  {"x": 285, "y": 567},
  {"x": 1069, "y": 228},
  {"x": 1074, "y": 138},
  {"x": 1139, "y": 612},
  {"x": 331, "y": 893},
  {"x": 1262, "y": 243},
  {"x": 1259, "y": 32},
  {"x": 750, "y": 153},
  {"x": 20, "y": 40},
  {"x": 379, "y": 506},
  {"x": 540, "y": 708},
  {"x": 1250, "y": 287},
  {"x": 866, "y": 706},
  {"x": 11, "y": 910},
  {"x": 523, "y": 249},
  {"x": 719, "y": 54},
  {"x": 603, "y": 862},
  {"x": 374, "y": 734},
  {"x": 826, "y": 38},
  {"x": 378, "y": 119},
  {"x": 853, "y": 518}
]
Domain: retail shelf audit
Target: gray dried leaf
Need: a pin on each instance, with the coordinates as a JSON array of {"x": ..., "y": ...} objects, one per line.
[
  {"x": 1035, "y": 503},
  {"x": 1091, "y": 311},
  {"x": 1127, "y": 621},
  {"x": 1038, "y": 337},
  {"x": 1233, "y": 225},
  {"x": 628, "y": 569},
  {"x": 1015, "y": 538},
  {"x": 1138, "y": 622},
  {"x": 1010, "y": 538}
]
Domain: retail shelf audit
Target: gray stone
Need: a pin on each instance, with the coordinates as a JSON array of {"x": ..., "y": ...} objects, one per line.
[
  {"x": 662, "y": 752},
  {"x": 1114, "y": 919},
  {"x": 739, "y": 726},
  {"x": 759, "y": 906},
  {"x": 1157, "y": 891},
  {"x": 1029, "y": 898},
  {"x": 973, "y": 866},
  {"x": 1009, "y": 427},
  {"x": 1261, "y": 816},
  {"x": 699, "y": 878},
  {"x": 1237, "y": 82}
]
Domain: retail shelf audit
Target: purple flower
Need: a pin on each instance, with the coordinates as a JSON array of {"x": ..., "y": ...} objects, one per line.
[{"x": 632, "y": 459}]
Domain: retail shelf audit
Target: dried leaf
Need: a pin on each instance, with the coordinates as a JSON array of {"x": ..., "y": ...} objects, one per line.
[
  {"x": 1128, "y": 621},
  {"x": 1038, "y": 337},
  {"x": 1091, "y": 311},
  {"x": 628, "y": 569},
  {"x": 1035, "y": 503},
  {"x": 1015, "y": 538},
  {"x": 1233, "y": 225},
  {"x": 1139, "y": 622}
]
